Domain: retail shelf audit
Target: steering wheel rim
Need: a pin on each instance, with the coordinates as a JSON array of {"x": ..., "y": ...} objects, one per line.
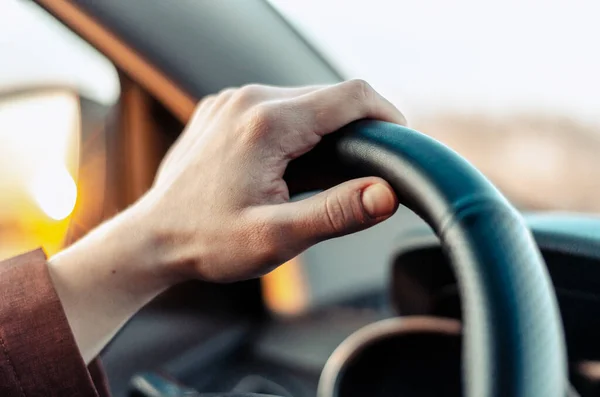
[{"x": 514, "y": 343}]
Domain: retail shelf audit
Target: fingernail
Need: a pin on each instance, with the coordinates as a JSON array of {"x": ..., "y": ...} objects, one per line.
[{"x": 378, "y": 200}]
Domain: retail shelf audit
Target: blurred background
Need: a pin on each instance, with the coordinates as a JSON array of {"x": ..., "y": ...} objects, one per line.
[
  {"x": 513, "y": 86},
  {"x": 56, "y": 93}
]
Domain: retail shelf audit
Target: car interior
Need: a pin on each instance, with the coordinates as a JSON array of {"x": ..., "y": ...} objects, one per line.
[{"x": 460, "y": 293}]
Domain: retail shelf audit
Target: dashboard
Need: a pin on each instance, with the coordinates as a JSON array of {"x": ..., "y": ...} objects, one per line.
[{"x": 424, "y": 284}]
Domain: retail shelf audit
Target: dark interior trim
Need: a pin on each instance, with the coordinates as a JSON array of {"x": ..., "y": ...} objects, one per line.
[{"x": 127, "y": 59}]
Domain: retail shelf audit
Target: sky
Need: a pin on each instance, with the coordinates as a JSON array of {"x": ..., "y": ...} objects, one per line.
[
  {"x": 425, "y": 55},
  {"x": 465, "y": 55}
]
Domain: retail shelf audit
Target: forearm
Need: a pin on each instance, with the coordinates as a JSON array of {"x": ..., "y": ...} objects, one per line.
[
  {"x": 219, "y": 208},
  {"x": 105, "y": 278}
]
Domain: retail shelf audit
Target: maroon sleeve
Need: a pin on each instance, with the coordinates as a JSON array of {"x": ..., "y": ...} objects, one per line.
[{"x": 38, "y": 354}]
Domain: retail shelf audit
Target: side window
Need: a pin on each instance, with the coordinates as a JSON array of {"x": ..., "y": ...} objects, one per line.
[{"x": 57, "y": 99}]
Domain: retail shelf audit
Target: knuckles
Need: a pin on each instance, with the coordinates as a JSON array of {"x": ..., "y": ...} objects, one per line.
[
  {"x": 344, "y": 214},
  {"x": 262, "y": 119},
  {"x": 226, "y": 94},
  {"x": 242, "y": 97},
  {"x": 204, "y": 102},
  {"x": 360, "y": 90},
  {"x": 334, "y": 210},
  {"x": 247, "y": 94}
]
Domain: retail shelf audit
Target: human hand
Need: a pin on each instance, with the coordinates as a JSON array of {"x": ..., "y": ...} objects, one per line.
[{"x": 219, "y": 209}]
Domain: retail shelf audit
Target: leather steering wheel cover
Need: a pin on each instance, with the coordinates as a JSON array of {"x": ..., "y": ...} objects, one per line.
[{"x": 514, "y": 343}]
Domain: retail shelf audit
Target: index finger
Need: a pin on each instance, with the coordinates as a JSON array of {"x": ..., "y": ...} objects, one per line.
[{"x": 328, "y": 109}]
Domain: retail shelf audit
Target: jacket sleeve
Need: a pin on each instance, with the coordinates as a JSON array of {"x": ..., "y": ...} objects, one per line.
[{"x": 38, "y": 354}]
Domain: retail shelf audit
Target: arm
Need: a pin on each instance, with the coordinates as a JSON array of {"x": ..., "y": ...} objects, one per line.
[
  {"x": 38, "y": 354},
  {"x": 219, "y": 209}
]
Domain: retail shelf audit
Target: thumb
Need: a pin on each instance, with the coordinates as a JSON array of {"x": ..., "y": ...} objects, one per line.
[{"x": 347, "y": 208}]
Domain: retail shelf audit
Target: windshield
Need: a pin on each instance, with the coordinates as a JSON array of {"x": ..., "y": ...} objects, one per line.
[{"x": 513, "y": 86}]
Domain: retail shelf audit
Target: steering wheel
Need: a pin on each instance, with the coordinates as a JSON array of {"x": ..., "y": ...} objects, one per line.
[
  {"x": 513, "y": 337},
  {"x": 513, "y": 343}
]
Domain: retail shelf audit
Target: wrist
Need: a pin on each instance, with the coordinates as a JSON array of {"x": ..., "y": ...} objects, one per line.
[
  {"x": 164, "y": 251},
  {"x": 122, "y": 253},
  {"x": 105, "y": 278},
  {"x": 139, "y": 254}
]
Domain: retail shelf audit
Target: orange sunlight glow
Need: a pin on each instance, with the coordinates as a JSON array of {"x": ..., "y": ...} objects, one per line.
[
  {"x": 39, "y": 161},
  {"x": 54, "y": 190}
]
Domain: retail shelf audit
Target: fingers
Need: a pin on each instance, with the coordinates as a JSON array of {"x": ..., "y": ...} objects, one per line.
[
  {"x": 293, "y": 120},
  {"x": 269, "y": 92},
  {"x": 211, "y": 105},
  {"x": 253, "y": 94},
  {"x": 347, "y": 208},
  {"x": 330, "y": 108}
]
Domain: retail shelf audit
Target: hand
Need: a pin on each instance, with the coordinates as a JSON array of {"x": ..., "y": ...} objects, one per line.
[{"x": 219, "y": 207}]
